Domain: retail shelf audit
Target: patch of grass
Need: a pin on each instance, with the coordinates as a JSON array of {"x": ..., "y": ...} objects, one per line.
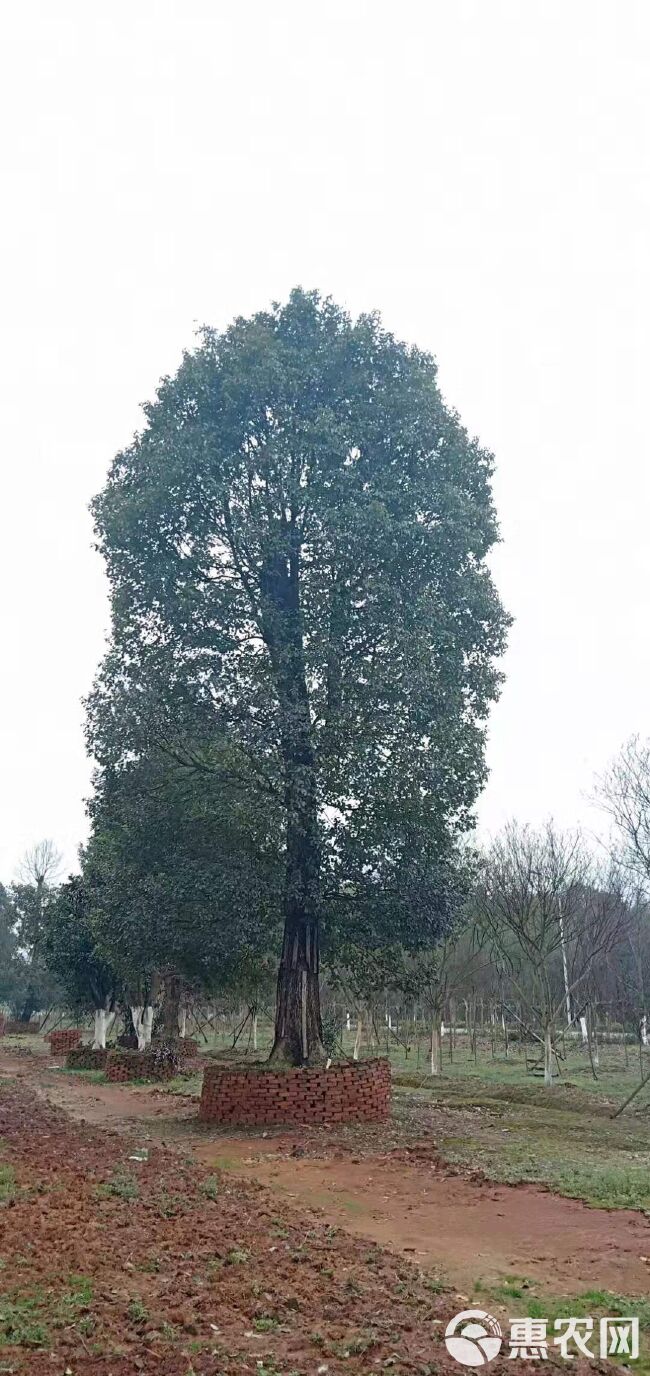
[
  {"x": 352, "y": 1205},
  {"x": 210, "y": 1186},
  {"x": 137, "y": 1311},
  {"x": 607, "y": 1187},
  {"x": 237, "y": 1257},
  {"x": 169, "y": 1331},
  {"x": 7, "y": 1184},
  {"x": 184, "y": 1084},
  {"x": 21, "y": 1322},
  {"x": 591, "y": 1303},
  {"x": 171, "y": 1205},
  {"x": 94, "y": 1077},
  {"x": 122, "y": 1185},
  {"x": 583, "y": 1155},
  {"x": 355, "y": 1345},
  {"x": 73, "y": 1301},
  {"x": 26, "y": 1319},
  {"x": 265, "y": 1324},
  {"x": 435, "y": 1284}
]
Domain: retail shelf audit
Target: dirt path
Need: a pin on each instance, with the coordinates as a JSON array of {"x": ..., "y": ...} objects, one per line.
[{"x": 466, "y": 1228}]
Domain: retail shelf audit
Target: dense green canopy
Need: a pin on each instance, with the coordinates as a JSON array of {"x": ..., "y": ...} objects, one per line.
[{"x": 296, "y": 545}]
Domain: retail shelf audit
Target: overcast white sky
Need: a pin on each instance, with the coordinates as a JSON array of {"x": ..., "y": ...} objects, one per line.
[{"x": 476, "y": 169}]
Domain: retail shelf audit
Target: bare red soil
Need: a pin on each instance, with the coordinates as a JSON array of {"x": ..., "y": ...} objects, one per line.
[
  {"x": 407, "y": 1198},
  {"x": 209, "y": 1271}
]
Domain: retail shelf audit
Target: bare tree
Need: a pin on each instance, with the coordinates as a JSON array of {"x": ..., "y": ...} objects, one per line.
[
  {"x": 623, "y": 793},
  {"x": 40, "y": 865},
  {"x": 550, "y": 918}
]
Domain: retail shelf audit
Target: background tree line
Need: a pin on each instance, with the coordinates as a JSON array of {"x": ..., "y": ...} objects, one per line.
[{"x": 179, "y": 904}]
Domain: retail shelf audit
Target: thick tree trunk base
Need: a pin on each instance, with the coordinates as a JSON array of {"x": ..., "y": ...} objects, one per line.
[
  {"x": 282, "y": 1053},
  {"x": 298, "y": 1028}
]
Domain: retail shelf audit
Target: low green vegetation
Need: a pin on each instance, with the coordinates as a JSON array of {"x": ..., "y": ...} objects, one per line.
[
  {"x": 514, "y": 1129},
  {"x": 94, "y": 1077},
  {"x": 210, "y": 1186},
  {"x": 27, "y": 1318},
  {"x": 514, "y": 1297},
  {"x": 122, "y": 1185},
  {"x": 7, "y": 1183}
]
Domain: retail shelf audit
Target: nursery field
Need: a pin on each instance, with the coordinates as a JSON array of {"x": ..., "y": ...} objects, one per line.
[{"x": 136, "y": 1239}]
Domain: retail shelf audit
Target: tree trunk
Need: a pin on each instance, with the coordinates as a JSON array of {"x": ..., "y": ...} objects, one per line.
[
  {"x": 436, "y": 1046},
  {"x": 298, "y": 1028},
  {"x": 147, "y": 1024},
  {"x": 254, "y": 1026},
  {"x": 592, "y": 1043},
  {"x": 29, "y": 1005},
  {"x": 357, "y": 1039},
  {"x": 136, "y": 1018},
  {"x": 142, "y": 1019},
  {"x": 171, "y": 1007},
  {"x": 182, "y": 1022},
  {"x": 101, "y": 1020},
  {"x": 548, "y": 1056}
]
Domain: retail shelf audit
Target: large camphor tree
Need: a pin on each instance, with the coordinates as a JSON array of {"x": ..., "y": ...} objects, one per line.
[{"x": 297, "y": 542}]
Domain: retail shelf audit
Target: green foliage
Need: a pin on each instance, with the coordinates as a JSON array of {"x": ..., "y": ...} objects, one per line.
[
  {"x": 13, "y": 966},
  {"x": 184, "y": 875},
  {"x": 70, "y": 948},
  {"x": 25, "y": 982}
]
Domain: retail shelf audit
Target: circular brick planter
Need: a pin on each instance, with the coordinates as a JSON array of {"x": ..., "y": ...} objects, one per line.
[
  {"x": 188, "y": 1047},
  {"x": 121, "y": 1066},
  {"x": 85, "y": 1058},
  {"x": 358, "y": 1092},
  {"x": 64, "y": 1040}
]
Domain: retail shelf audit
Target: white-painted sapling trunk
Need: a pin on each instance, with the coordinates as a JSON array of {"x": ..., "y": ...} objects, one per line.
[
  {"x": 254, "y": 1022},
  {"x": 101, "y": 1022},
  {"x": 136, "y": 1018},
  {"x": 436, "y": 1048},
  {"x": 583, "y": 1029},
  {"x": 548, "y": 1057},
  {"x": 142, "y": 1019},
  {"x": 182, "y": 1022},
  {"x": 357, "y": 1039}
]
